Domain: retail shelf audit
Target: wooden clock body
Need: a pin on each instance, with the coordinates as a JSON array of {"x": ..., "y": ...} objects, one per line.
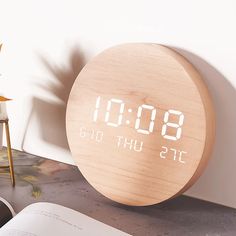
[{"x": 140, "y": 123}]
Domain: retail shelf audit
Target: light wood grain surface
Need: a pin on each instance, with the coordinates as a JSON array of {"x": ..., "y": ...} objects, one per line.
[{"x": 139, "y": 74}]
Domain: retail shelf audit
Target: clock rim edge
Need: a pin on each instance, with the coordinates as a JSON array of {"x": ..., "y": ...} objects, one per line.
[{"x": 206, "y": 99}]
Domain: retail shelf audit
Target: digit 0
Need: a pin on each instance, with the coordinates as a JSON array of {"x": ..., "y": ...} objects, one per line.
[
  {"x": 122, "y": 107},
  {"x": 151, "y": 124}
]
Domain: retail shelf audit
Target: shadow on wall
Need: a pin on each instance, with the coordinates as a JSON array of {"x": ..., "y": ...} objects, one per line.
[
  {"x": 51, "y": 116},
  {"x": 216, "y": 182}
]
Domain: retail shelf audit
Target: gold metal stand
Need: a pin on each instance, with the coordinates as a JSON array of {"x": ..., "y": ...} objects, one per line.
[{"x": 9, "y": 152}]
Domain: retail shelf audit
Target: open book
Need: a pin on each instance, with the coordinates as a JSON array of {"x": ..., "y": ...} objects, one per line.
[{"x": 47, "y": 219}]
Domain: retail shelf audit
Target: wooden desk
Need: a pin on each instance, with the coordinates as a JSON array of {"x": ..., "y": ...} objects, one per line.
[{"x": 39, "y": 179}]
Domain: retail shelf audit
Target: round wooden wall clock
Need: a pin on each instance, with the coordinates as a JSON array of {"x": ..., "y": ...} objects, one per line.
[{"x": 140, "y": 123}]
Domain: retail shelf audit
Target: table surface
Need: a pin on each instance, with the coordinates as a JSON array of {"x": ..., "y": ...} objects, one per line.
[{"x": 39, "y": 179}]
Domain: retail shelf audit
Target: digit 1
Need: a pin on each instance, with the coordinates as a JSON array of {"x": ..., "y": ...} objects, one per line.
[
  {"x": 95, "y": 114},
  {"x": 173, "y": 125}
]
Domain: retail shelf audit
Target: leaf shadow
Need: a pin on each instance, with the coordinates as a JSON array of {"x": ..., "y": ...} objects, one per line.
[{"x": 51, "y": 115}]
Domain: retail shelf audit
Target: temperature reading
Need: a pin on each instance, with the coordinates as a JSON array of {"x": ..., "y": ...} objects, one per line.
[
  {"x": 172, "y": 153},
  {"x": 170, "y": 130}
]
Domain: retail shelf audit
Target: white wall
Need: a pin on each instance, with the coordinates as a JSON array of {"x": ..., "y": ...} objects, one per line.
[{"x": 46, "y": 43}]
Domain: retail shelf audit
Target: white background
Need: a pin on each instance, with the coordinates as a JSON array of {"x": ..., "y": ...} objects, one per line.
[{"x": 46, "y": 43}]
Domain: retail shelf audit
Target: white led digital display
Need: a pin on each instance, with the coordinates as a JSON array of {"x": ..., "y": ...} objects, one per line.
[{"x": 142, "y": 130}]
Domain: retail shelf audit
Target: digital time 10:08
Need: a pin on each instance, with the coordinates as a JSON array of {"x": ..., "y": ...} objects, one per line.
[{"x": 153, "y": 111}]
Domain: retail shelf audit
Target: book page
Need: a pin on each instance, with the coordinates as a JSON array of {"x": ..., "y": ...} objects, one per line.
[
  {"x": 42, "y": 219},
  {"x": 6, "y": 212}
]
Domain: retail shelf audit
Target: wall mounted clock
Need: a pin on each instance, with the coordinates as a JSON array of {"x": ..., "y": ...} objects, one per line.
[{"x": 140, "y": 123}]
